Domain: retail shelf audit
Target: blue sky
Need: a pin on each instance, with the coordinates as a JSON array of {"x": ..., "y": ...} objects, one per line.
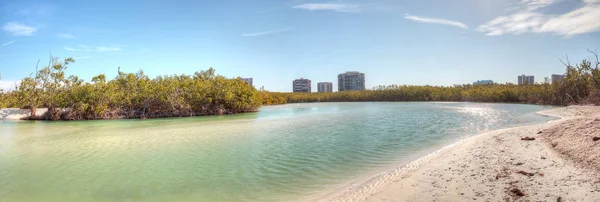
[{"x": 274, "y": 41}]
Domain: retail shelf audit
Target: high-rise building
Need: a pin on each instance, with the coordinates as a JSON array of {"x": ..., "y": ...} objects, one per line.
[
  {"x": 249, "y": 80},
  {"x": 526, "y": 80},
  {"x": 483, "y": 82},
  {"x": 350, "y": 81},
  {"x": 557, "y": 78},
  {"x": 324, "y": 87},
  {"x": 301, "y": 85}
]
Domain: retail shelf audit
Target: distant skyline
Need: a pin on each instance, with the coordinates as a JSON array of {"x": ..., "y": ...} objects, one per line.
[{"x": 429, "y": 42}]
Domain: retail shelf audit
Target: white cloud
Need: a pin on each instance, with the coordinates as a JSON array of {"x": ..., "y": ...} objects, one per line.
[
  {"x": 347, "y": 8},
  {"x": 584, "y": 19},
  {"x": 436, "y": 21},
  {"x": 18, "y": 29},
  {"x": 84, "y": 48},
  {"x": 517, "y": 23},
  {"x": 266, "y": 32},
  {"x": 8, "y": 43},
  {"x": 532, "y": 5},
  {"x": 8, "y": 85},
  {"x": 65, "y": 36}
]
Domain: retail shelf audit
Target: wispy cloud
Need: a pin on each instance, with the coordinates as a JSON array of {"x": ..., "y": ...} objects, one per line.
[
  {"x": 84, "y": 48},
  {"x": 65, "y": 36},
  {"x": 266, "y": 32},
  {"x": 346, "y": 8},
  {"x": 532, "y": 5},
  {"x": 529, "y": 20},
  {"x": 18, "y": 29},
  {"x": 436, "y": 21},
  {"x": 107, "y": 49},
  {"x": 82, "y": 57},
  {"x": 8, "y": 43}
]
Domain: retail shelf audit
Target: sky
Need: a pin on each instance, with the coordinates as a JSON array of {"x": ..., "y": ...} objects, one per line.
[{"x": 426, "y": 42}]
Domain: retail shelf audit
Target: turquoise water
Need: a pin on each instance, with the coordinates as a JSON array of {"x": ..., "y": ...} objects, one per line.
[{"x": 282, "y": 153}]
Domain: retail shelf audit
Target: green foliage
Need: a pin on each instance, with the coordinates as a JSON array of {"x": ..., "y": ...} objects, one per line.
[
  {"x": 537, "y": 94},
  {"x": 268, "y": 98},
  {"x": 130, "y": 95},
  {"x": 135, "y": 95},
  {"x": 7, "y": 99},
  {"x": 580, "y": 81}
]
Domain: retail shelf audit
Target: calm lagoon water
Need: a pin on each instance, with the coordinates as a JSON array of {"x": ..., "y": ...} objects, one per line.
[{"x": 281, "y": 153}]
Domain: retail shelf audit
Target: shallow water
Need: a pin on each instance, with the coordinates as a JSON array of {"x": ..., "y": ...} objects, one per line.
[{"x": 283, "y": 152}]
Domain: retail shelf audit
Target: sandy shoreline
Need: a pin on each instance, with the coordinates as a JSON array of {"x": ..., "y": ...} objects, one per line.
[
  {"x": 493, "y": 166},
  {"x": 18, "y": 114}
]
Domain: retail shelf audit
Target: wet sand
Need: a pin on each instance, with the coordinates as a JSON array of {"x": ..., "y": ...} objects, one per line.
[{"x": 499, "y": 166}]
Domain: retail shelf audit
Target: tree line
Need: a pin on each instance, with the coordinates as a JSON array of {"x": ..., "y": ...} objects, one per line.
[
  {"x": 538, "y": 94},
  {"x": 129, "y": 95},
  {"x": 581, "y": 85},
  {"x": 135, "y": 95}
]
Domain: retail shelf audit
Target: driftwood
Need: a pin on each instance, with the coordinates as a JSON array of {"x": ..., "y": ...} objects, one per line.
[{"x": 525, "y": 173}]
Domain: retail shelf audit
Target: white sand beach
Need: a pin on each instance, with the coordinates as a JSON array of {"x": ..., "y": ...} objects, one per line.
[
  {"x": 561, "y": 164},
  {"x": 18, "y": 114}
]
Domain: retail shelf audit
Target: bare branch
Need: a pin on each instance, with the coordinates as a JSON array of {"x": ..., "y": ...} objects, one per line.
[
  {"x": 568, "y": 64},
  {"x": 595, "y": 53},
  {"x": 50, "y": 61},
  {"x": 36, "y": 68},
  {"x": 563, "y": 62}
]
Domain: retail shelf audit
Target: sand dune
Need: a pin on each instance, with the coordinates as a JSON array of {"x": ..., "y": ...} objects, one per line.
[{"x": 500, "y": 166}]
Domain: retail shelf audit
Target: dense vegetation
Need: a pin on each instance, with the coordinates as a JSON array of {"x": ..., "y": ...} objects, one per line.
[
  {"x": 129, "y": 95},
  {"x": 134, "y": 95},
  {"x": 485, "y": 93},
  {"x": 580, "y": 86}
]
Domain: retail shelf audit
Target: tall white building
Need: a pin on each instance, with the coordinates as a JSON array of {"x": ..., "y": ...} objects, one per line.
[
  {"x": 301, "y": 85},
  {"x": 351, "y": 81},
  {"x": 324, "y": 87},
  {"x": 526, "y": 80}
]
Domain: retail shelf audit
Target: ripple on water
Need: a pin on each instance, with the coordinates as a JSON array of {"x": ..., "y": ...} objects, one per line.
[{"x": 280, "y": 153}]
